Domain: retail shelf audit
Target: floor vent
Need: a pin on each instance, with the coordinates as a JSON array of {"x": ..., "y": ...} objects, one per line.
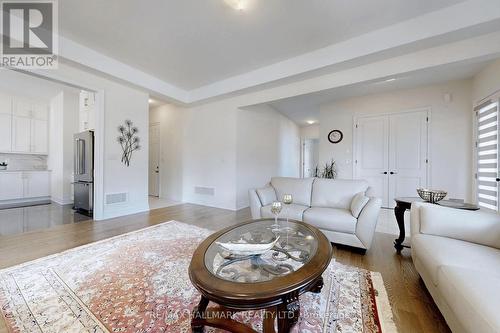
[
  {"x": 204, "y": 190},
  {"x": 114, "y": 198}
]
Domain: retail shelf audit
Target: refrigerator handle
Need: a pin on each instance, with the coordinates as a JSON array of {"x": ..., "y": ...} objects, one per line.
[
  {"x": 77, "y": 157},
  {"x": 80, "y": 157}
]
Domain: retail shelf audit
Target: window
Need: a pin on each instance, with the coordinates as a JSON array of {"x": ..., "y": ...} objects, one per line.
[{"x": 487, "y": 150}]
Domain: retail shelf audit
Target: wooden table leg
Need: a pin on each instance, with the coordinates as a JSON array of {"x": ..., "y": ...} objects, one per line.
[
  {"x": 288, "y": 313},
  {"x": 399, "y": 211},
  {"x": 199, "y": 316},
  {"x": 269, "y": 320}
]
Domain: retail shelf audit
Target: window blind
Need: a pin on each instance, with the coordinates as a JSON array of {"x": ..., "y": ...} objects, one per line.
[{"x": 487, "y": 155}]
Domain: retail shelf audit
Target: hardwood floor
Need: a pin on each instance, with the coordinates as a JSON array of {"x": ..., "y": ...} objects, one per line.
[{"x": 414, "y": 310}]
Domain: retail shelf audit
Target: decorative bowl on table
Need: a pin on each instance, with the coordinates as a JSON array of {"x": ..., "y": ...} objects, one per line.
[
  {"x": 431, "y": 196},
  {"x": 247, "y": 249}
]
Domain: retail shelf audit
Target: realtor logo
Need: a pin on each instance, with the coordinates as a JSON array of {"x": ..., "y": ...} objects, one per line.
[{"x": 29, "y": 34}]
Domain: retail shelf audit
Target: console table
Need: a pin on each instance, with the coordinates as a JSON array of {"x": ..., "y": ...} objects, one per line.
[{"x": 403, "y": 204}]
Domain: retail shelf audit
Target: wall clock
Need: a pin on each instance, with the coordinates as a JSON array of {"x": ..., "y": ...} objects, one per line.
[{"x": 335, "y": 136}]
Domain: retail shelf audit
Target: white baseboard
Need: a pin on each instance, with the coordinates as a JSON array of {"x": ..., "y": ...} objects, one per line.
[{"x": 24, "y": 202}]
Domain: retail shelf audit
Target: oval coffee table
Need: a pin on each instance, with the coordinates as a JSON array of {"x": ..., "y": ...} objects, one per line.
[{"x": 272, "y": 281}]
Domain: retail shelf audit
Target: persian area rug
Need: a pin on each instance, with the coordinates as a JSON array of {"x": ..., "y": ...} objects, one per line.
[{"x": 138, "y": 282}]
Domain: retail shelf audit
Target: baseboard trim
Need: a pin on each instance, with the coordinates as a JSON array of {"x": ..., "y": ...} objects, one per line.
[{"x": 6, "y": 204}]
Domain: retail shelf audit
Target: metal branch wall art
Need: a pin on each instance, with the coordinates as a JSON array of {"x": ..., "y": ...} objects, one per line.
[{"x": 128, "y": 140}]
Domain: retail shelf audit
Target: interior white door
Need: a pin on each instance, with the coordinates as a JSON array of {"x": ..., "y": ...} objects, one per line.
[
  {"x": 154, "y": 160},
  {"x": 407, "y": 154},
  {"x": 372, "y": 154},
  {"x": 310, "y": 157}
]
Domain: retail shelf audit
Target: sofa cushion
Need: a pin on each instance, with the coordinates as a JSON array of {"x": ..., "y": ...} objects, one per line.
[
  {"x": 476, "y": 227},
  {"x": 336, "y": 193},
  {"x": 358, "y": 203},
  {"x": 299, "y": 188},
  {"x": 333, "y": 219},
  {"x": 266, "y": 195},
  {"x": 434, "y": 252},
  {"x": 473, "y": 296},
  {"x": 293, "y": 211}
]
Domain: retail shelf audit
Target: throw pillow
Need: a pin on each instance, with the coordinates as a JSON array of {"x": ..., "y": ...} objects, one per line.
[
  {"x": 266, "y": 195},
  {"x": 358, "y": 203}
]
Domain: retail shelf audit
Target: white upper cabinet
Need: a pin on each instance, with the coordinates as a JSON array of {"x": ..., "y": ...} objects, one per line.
[
  {"x": 29, "y": 128},
  {"x": 40, "y": 112},
  {"x": 5, "y": 104},
  {"x": 39, "y": 136},
  {"x": 5, "y": 123},
  {"x": 21, "y": 134},
  {"x": 22, "y": 107}
]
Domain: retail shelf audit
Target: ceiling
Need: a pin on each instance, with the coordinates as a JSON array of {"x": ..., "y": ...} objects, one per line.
[
  {"x": 305, "y": 108},
  {"x": 192, "y": 43},
  {"x": 21, "y": 84}
]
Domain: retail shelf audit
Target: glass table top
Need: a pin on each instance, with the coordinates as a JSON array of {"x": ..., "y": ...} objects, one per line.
[{"x": 261, "y": 251}]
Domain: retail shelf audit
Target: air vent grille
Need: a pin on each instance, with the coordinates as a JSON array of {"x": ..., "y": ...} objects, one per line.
[
  {"x": 204, "y": 190},
  {"x": 114, "y": 198}
]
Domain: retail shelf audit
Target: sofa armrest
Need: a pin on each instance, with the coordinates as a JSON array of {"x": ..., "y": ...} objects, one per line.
[
  {"x": 367, "y": 221},
  {"x": 255, "y": 204},
  {"x": 470, "y": 226}
]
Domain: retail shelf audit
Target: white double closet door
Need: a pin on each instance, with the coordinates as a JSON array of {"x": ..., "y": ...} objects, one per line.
[{"x": 391, "y": 154}]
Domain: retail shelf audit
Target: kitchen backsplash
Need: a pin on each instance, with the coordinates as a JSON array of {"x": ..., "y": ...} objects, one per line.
[{"x": 24, "y": 162}]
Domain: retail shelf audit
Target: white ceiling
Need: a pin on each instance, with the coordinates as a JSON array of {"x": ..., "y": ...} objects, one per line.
[
  {"x": 302, "y": 108},
  {"x": 21, "y": 84},
  {"x": 192, "y": 43}
]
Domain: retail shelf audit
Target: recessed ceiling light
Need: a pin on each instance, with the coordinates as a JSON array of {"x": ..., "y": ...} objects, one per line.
[
  {"x": 150, "y": 101},
  {"x": 310, "y": 122},
  {"x": 391, "y": 79},
  {"x": 237, "y": 4}
]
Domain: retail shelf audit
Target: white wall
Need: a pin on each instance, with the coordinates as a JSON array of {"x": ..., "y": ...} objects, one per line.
[
  {"x": 450, "y": 131},
  {"x": 121, "y": 102},
  {"x": 209, "y": 154},
  {"x": 310, "y": 132},
  {"x": 268, "y": 144},
  {"x": 486, "y": 82},
  {"x": 63, "y": 124},
  {"x": 170, "y": 118}
]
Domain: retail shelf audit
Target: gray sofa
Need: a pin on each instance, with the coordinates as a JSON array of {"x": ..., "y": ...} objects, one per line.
[{"x": 339, "y": 208}]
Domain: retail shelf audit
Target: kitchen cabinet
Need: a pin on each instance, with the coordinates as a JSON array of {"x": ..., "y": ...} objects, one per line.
[
  {"x": 12, "y": 185},
  {"x": 29, "y": 128},
  {"x": 18, "y": 185},
  {"x": 36, "y": 184},
  {"x": 39, "y": 139},
  {"x": 5, "y": 132},
  {"x": 21, "y": 134},
  {"x": 5, "y": 123}
]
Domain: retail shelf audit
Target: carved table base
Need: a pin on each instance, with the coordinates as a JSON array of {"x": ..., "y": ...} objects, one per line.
[{"x": 287, "y": 314}]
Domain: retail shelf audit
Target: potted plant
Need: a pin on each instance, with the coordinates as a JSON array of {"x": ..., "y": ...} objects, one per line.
[{"x": 3, "y": 166}]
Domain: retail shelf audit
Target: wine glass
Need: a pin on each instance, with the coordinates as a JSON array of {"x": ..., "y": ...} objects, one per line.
[
  {"x": 276, "y": 210},
  {"x": 287, "y": 200}
]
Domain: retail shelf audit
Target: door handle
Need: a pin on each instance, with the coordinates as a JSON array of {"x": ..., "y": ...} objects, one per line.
[
  {"x": 498, "y": 179},
  {"x": 393, "y": 173},
  {"x": 384, "y": 173}
]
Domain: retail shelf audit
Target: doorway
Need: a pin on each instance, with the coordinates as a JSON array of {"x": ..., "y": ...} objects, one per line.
[
  {"x": 154, "y": 159},
  {"x": 391, "y": 153},
  {"x": 310, "y": 157}
]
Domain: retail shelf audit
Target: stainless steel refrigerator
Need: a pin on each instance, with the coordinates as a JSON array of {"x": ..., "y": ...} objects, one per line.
[{"x": 84, "y": 171}]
